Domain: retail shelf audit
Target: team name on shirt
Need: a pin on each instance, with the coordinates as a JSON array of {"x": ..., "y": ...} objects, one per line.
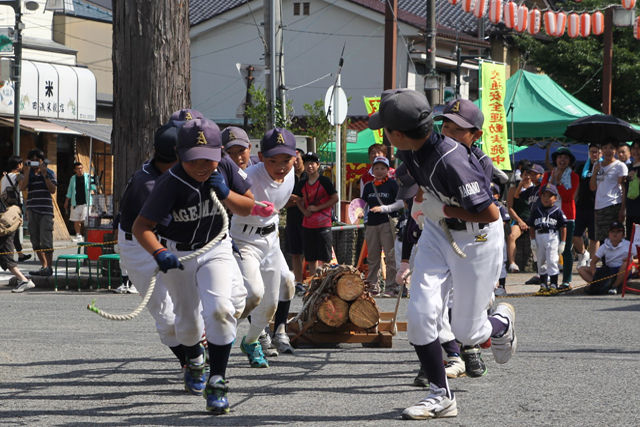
[
  {"x": 550, "y": 222},
  {"x": 469, "y": 189},
  {"x": 193, "y": 213}
]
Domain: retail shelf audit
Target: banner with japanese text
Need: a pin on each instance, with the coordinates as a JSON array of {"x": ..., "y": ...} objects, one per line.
[
  {"x": 495, "y": 138},
  {"x": 372, "y": 104}
]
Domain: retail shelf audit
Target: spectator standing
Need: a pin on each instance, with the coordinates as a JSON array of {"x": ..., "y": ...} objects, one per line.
[
  {"x": 11, "y": 194},
  {"x": 624, "y": 154},
  {"x": 41, "y": 183},
  {"x": 566, "y": 182},
  {"x": 585, "y": 208},
  {"x": 632, "y": 203},
  {"x": 606, "y": 180},
  {"x": 78, "y": 199},
  {"x": 316, "y": 196},
  {"x": 375, "y": 150}
]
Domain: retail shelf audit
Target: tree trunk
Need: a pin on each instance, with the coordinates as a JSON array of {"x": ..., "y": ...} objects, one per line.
[
  {"x": 349, "y": 287},
  {"x": 364, "y": 312},
  {"x": 151, "y": 77},
  {"x": 333, "y": 311}
]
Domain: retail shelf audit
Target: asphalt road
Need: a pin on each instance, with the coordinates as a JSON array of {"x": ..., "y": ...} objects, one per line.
[{"x": 61, "y": 365}]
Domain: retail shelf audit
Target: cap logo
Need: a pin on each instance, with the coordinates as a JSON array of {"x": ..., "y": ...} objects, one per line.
[
  {"x": 456, "y": 107},
  {"x": 232, "y": 136},
  {"x": 188, "y": 116},
  {"x": 280, "y": 139},
  {"x": 201, "y": 139}
]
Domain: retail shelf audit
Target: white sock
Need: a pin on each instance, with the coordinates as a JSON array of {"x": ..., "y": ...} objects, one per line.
[
  {"x": 214, "y": 379},
  {"x": 198, "y": 360}
]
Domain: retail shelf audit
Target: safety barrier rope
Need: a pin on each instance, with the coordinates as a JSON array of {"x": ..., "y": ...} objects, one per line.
[
  {"x": 84, "y": 245},
  {"x": 152, "y": 284}
]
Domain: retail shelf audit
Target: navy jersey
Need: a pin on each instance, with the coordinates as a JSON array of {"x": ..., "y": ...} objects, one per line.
[
  {"x": 136, "y": 193},
  {"x": 449, "y": 170},
  {"x": 484, "y": 160},
  {"x": 504, "y": 213},
  {"x": 183, "y": 208},
  {"x": 387, "y": 193},
  {"x": 548, "y": 219}
]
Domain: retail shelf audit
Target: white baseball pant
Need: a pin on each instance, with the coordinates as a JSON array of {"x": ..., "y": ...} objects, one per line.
[
  {"x": 547, "y": 253},
  {"x": 140, "y": 266},
  {"x": 505, "y": 259},
  {"x": 214, "y": 280},
  {"x": 474, "y": 278}
]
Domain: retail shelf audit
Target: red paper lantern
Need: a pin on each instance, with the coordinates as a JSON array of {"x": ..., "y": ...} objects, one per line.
[
  {"x": 510, "y": 14},
  {"x": 550, "y": 23},
  {"x": 561, "y": 24},
  {"x": 628, "y": 4},
  {"x": 574, "y": 25},
  {"x": 636, "y": 29},
  {"x": 495, "y": 11},
  {"x": 597, "y": 23},
  {"x": 522, "y": 20},
  {"x": 585, "y": 25},
  {"x": 480, "y": 8},
  {"x": 534, "y": 22},
  {"x": 467, "y": 5},
  {"x": 453, "y": 2}
]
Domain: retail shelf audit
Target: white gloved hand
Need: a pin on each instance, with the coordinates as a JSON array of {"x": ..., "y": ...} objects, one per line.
[
  {"x": 534, "y": 246},
  {"x": 433, "y": 208},
  {"x": 403, "y": 271},
  {"x": 417, "y": 215},
  {"x": 561, "y": 247}
]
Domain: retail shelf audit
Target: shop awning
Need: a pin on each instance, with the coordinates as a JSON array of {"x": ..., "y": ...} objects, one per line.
[
  {"x": 38, "y": 126},
  {"x": 98, "y": 131}
]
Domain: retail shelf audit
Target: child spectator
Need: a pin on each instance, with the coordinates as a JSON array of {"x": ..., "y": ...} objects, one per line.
[
  {"x": 379, "y": 234},
  {"x": 375, "y": 151},
  {"x": 546, "y": 224},
  {"x": 316, "y": 197},
  {"x": 613, "y": 253},
  {"x": 606, "y": 180}
]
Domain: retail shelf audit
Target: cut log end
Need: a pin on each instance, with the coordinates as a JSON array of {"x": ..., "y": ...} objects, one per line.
[
  {"x": 364, "y": 313},
  {"x": 349, "y": 287},
  {"x": 333, "y": 311}
]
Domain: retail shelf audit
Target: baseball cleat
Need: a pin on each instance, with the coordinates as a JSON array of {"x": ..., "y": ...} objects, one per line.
[
  {"x": 436, "y": 405},
  {"x": 505, "y": 345},
  {"x": 216, "y": 395},
  {"x": 455, "y": 368},
  {"x": 473, "y": 363},
  {"x": 282, "y": 343},
  {"x": 421, "y": 379},
  {"x": 267, "y": 346},
  {"x": 195, "y": 379},
  {"x": 254, "y": 354}
]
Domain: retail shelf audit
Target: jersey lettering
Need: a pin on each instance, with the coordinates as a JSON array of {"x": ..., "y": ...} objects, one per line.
[
  {"x": 194, "y": 213},
  {"x": 469, "y": 189},
  {"x": 549, "y": 222}
]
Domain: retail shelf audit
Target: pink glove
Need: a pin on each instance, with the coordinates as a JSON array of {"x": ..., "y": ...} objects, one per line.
[
  {"x": 263, "y": 211},
  {"x": 403, "y": 271}
]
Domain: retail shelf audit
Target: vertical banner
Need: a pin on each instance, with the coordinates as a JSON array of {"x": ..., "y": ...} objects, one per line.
[
  {"x": 372, "y": 105},
  {"x": 495, "y": 138}
]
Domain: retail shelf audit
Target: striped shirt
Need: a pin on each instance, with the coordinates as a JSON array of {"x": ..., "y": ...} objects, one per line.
[{"x": 40, "y": 199}]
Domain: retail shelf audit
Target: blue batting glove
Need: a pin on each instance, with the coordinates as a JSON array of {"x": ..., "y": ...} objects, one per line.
[
  {"x": 216, "y": 181},
  {"x": 167, "y": 260}
]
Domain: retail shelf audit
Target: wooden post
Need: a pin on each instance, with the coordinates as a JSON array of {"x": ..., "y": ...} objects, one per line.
[{"x": 607, "y": 61}]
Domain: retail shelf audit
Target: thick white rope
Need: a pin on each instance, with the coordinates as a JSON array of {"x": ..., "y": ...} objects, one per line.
[{"x": 152, "y": 284}]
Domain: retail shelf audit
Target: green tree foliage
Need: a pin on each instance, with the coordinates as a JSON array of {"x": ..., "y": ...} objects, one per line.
[
  {"x": 576, "y": 64},
  {"x": 257, "y": 112},
  {"x": 315, "y": 124}
]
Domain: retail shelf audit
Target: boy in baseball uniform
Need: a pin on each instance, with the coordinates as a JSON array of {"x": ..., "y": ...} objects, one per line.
[
  {"x": 458, "y": 199},
  {"x": 256, "y": 235},
  {"x": 178, "y": 219},
  {"x": 548, "y": 232}
]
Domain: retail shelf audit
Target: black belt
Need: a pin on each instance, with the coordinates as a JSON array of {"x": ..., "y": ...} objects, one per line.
[
  {"x": 263, "y": 231},
  {"x": 462, "y": 225},
  {"x": 542, "y": 232},
  {"x": 187, "y": 247}
]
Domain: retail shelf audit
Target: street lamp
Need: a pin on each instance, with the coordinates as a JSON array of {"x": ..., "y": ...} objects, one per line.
[{"x": 17, "y": 65}]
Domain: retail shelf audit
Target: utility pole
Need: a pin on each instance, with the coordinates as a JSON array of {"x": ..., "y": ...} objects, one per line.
[
  {"x": 274, "y": 60},
  {"x": 607, "y": 61},
  {"x": 247, "y": 102},
  {"x": 390, "y": 48},
  {"x": 430, "y": 36},
  {"x": 17, "y": 72},
  {"x": 279, "y": 56}
]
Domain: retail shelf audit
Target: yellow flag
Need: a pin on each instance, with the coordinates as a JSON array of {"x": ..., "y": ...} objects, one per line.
[
  {"x": 372, "y": 104},
  {"x": 495, "y": 136}
]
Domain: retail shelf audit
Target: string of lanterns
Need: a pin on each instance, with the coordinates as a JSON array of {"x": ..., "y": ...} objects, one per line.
[{"x": 521, "y": 19}]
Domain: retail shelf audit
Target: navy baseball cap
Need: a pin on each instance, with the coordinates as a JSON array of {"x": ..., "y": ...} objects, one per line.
[
  {"x": 464, "y": 113},
  {"x": 401, "y": 109},
  {"x": 310, "y": 157},
  {"x": 232, "y": 136},
  {"x": 549, "y": 188},
  {"x": 381, "y": 159},
  {"x": 616, "y": 226},
  {"x": 407, "y": 187},
  {"x": 165, "y": 139},
  {"x": 186, "y": 114},
  {"x": 199, "y": 139},
  {"x": 278, "y": 141},
  {"x": 536, "y": 168},
  {"x": 495, "y": 188}
]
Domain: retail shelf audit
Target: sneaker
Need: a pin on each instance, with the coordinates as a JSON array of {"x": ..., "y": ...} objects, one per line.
[
  {"x": 216, "y": 395},
  {"x": 500, "y": 291},
  {"x": 585, "y": 260},
  {"x": 267, "y": 347},
  {"x": 78, "y": 238},
  {"x": 505, "y": 345},
  {"x": 421, "y": 379},
  {"x": 473, "y": 364},
  {"x": 390, "y": 293},
  {"x": 455, "y": 367},
  {"x": 564, "y": 287},
  {"x": 23, "y": 286},
  {"x": 282, "y": 343},
  {"x": 610, "y": 291},
  {"x": 195, "y": 379},
  {"x": 132, "y": 290},
  {"x": 435, "y": 405},
  {"x": 535, "y": 280},
  {"x": 24, "y": 258},
  {"x": 122, "y": 289},
  {"x": 513, "y": 268},
  {"x": 39, "y": 272},
  {"x": 544, "y": 290},
  {"x": 47, "y": 271},
  {"x": 254, "y": 354},
  {"x": 300, "y": 289}
]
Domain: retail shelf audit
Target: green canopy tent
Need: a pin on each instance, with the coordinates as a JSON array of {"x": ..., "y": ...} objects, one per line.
[{"x": 356, "y": 152}]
